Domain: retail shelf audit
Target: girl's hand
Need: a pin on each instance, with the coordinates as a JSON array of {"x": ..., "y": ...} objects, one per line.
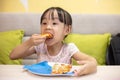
[
  {"x": 80, "y": 71},
  {"x": 37, "y": 39},
  {"x": 86, "y": 68}
]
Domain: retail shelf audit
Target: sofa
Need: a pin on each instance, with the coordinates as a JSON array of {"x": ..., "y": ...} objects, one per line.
[{"x": 86, "y": 29}]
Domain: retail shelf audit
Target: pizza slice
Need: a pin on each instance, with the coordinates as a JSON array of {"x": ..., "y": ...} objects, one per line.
[
  {"x": 61, "y": 68},
  {"x": 48, "y": 35}
]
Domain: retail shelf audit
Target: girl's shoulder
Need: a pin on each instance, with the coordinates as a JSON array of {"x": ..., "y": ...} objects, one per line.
[
  {"x": 70, "y": 48},
  {"x": 69, "y": 45}
]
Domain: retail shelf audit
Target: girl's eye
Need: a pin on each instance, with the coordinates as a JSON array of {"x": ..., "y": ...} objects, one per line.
[
  {"x": 44, "y": 23},
  {"x": 54, "y": 23}
]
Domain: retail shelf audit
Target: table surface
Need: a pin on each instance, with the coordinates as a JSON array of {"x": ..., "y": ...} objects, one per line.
[{"x": 16, "y": 72}]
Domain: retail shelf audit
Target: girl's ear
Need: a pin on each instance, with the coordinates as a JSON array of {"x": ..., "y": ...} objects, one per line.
[{"x": 68, "y": 29}]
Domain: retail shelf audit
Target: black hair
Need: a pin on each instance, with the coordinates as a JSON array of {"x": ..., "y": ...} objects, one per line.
[{"x": 63, "y": 15}]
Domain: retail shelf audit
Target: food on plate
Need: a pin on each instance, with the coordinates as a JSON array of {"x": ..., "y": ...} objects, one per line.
[
  {"x": 48, "y": 35},
  {"x": 61, "y": 68}
]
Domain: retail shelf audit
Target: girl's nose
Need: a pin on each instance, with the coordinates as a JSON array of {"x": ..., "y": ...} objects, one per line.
[{"x": 49, "y": 27}]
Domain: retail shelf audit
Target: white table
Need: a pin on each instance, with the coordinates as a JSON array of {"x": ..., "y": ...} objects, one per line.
[{"x": 16, "y": 72}]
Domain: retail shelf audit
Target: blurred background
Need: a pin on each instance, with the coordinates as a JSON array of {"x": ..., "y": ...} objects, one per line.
[{"x": 72, "y": 6}]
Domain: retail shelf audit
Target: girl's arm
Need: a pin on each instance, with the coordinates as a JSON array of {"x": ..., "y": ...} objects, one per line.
[
  {"x": 26, "y": 48},
  {"x": 21, "y": 51},
  {"x": 88, "y": 64}
]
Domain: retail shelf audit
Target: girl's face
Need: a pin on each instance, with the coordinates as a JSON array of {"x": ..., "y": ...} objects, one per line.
[{"x": 55, "y": 27}]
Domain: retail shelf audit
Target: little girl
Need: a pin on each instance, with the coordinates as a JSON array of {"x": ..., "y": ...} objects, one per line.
[{"x": 57, "y": 22}]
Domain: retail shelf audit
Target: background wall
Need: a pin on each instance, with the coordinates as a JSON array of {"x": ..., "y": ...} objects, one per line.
[{"x": 72, "y": 6}]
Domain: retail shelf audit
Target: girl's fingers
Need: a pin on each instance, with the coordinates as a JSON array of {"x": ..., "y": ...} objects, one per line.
[
  {"x": 38, "y": 36},
  {"x": 37, "y": 42},
  {"x": 80, "y": 71},
  {"x": 37, "y": 39}
]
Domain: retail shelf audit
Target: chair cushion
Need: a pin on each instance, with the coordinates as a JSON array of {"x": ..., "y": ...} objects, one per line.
[
  {"x": 92, "y": 44},
  {"x": 8, "y": 41}
]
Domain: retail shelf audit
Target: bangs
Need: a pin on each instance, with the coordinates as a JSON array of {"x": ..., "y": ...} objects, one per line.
[
  {"x": 63, "y": 16},
  {"x": 51, "y": 14}
]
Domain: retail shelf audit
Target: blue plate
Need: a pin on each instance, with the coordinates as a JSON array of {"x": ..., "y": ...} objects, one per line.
[{"x": 44, "y": 69}]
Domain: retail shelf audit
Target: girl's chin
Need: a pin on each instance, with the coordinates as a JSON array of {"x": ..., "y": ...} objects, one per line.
[{"x": 48, "y": 41}]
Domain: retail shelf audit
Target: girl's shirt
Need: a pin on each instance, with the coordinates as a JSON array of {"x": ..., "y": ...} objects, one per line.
[{"x": 64, "y": 56}]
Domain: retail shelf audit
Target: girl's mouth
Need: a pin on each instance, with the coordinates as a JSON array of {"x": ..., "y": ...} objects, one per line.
[{"x": 48, "y": 35}]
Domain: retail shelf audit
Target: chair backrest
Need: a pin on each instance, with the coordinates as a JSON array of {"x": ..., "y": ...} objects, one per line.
[{"x": 82, "y": 23}]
